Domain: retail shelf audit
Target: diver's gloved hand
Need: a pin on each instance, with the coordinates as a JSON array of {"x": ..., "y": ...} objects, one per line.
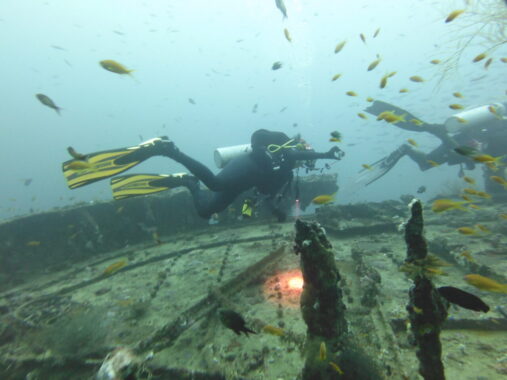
[{"x": 335, "y": 153}]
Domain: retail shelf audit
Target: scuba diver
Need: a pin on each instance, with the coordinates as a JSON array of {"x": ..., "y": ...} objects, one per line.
[
  {"x": 266, "y": 165},
  {"x": 478, "y": 128}
]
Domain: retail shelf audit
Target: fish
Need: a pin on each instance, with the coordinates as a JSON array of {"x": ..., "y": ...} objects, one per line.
[
  {"x": 375, "y": 63},
  {"x": 376, "y": 33},
  {"x": 383, "y": 81},
  {"x": 456, "y": 106},
  {"x": 502, "y": 216},
  {"x": 412, "y": 142},
  {"x": 46, "y": 100},
  {"x": 457, "y": 94},
  {"x": 322, "y": 351},
  {"x": 471, "y": 205},
  {"x": 468, "y": 256},
  {"x": 469, "y": 180},
  {"x": 115, "y": 67},
  {"x": 362, "y": 116},
  {"x": 367, "y": 167},
  {"x": 486, "y": 158},
  {"x": 191, "y": 101},
  {"x": 234, "y": 321},
  {"x": 351, "y": 93},
  {"x": 339, "y": 46},
  {"x": 441, "y": 205},
  {"x": 114, "y": 267},
  {"x": 421, "y": 189},
  {"x": 78, "y": 165},
  {"x": 416, "y": 121},
  {"x": 416, "y": 78},
  {"x": 337, "y": 135},
  {"x": 454, "y": 14},
  {"x": 504, "y": 60},
  {"x": 76, "y": 155},
  {"x": 33, "y": 243},
  {"x": 277, "y": 65},
  {"x": 281, "y": 6},
  {"x": 369, "y": 99},
  {"x": 335, "y": 77},
  {"x": 483, "y": 194},
  {"x": 466, "y": 150},
  {"x": 479, "y": 57},
  {"x": 334, "y": 139},
  {"x": 287, "y": 35},
  {"x": 27, "y": 181},
  {"x": 499, "y": 180},
  {"x": 336, "y": 368},
  {"x": 273, "y": 330},
  {"x": 323, "y": 199},
  {"x": 485, "y": 283},
  {"x": 403, "y": 90},
  {"x": 483, "y": 228},
  {"x": 435, "y": 61},
  {"x": 467, "y": 231},
  {"x": 391, "y": 117},
  {"x": 494, "y": 111},
  {"x": 254, "y": 108},
  {"x": 363, "y": 38},
  {"x": 470, "y": 191},
  {"x": 464, "y": 299},
  {"x": 461, "y": 120},
  {"x": 487, "y": 63}
]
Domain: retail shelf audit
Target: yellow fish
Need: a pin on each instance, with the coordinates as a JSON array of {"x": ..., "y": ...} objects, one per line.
[
  {"x": 468, "y": 256},
  {"x": 273, "y": 330},
  {"x": 335, "y": 77},
  {"x": 461, "y": 120},
  {"x": 366, "y": 166},
  {"x": 457, "y": 94},
  {"x": 416, "y": 122},
  {"x": 114, "y": 67},
  {"x": 504, "y": 60},
  {"x": 339, "y": 47},
  {"x": 494, "y": 111},
  {"x": 503, "y": 216},
  {"x": 499, "y": 180},
  {"x": 351, "y": 93},
  {"x": 483, "y": 194},
  {"x": 334, "y": 139},
  {"x": 486, "y": 158},
  {"x": 412, "y": 142},
  {"x": 383, "y": 81},
  {"x": 467, "y": 231},
  {"x": 454, "y": 14},
  {"x": 480, "y": 57},
  {"x": 487, "y": 63},
  {"x": 483, "y": 228},
  {"x": 469, "y": 180},
  {"x": 33, "y": 243},
  {"x": 470, "y": 191},
  {"x": 79, "y": 165},
  {"x": 323, "y": 199},
  {"x": 114, "y": 267},
  {"x": 433, "y": 163},
  {"x": 472, "y": 205},
  {"x": 416, "y": 78},
  {"x": 403, "y": 90},
  {"x": 391, "y": 117},
  {"x": 435, "y": 61},
  {"x": 369, "y": 99},
  {"x": 485, "y": 283},
  {"x": 322, "y": 351},
  {"x": 287, "y": 35},
  {"x": 455, "y": 106},
  {"x": 336, "y": 367},
  {"x": 362, "y": 116},
  {"x": 441, "y": 205},
  {"x": 374, "y": 64}
]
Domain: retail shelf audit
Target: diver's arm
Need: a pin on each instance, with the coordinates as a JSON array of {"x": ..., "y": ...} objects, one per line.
[{"x": 334, "y": 153}]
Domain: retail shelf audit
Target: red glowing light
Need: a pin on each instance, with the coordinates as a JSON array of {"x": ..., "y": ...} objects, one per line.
[{"x": 296, "y": 283}]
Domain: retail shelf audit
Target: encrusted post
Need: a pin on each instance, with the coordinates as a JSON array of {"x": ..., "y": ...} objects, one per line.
[
  {"x": 322, "y": 306},
  {"x": 427, "y": 310}
]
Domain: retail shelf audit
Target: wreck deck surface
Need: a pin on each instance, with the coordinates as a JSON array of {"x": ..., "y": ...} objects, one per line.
[{"x": 166, "y": 296}]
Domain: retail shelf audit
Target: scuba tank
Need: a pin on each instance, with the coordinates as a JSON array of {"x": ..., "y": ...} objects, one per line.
[
  {"x": 475, "y": 117},
  {"x": 224, "y": 154}
]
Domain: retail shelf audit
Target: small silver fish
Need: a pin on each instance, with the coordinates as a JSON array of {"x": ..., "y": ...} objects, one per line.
[
  {"x": 44, "y": 99},
  {"x": 280, "y": 5}
]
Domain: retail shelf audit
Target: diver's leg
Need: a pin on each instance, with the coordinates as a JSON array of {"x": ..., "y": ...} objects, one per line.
[{"x": 207, "y": 203}]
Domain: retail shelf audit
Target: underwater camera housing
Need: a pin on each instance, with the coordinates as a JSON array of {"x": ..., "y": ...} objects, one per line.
[{"x": 475, "y": 116}]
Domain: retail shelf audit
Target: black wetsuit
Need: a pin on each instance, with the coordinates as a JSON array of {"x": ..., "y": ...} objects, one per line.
[{"x": 258, "y": 169}]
